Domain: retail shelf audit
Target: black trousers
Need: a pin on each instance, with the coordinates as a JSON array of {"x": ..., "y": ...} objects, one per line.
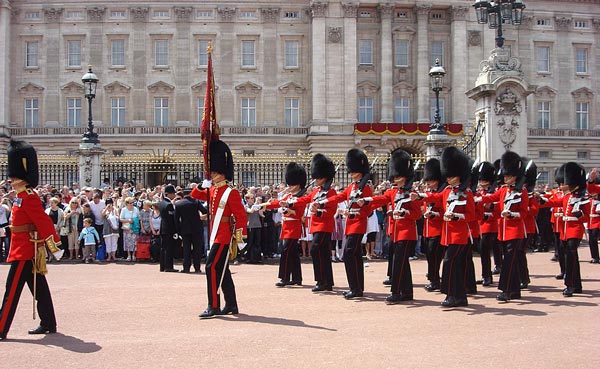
[
  {"x": 573, "y": 273},
  {"x": 253, "y": 246},
  {"x": 435, "y": 255},
  {"x": 522, "y": 255},
  {"x": 167, "y": 247},
  {"x": 498, "y": 254},
  {"x": 453, "y": 271},
  {"x": 353, "y": 262},
  {"x": 401, "y": 276},
  {"x": 193, "y": 248},
  {"x": 289, "y": 262},
  {"x": 486, "y": 245},
  {"x": 559, "y": 252},
  {"x": 19, "y": 273},
  {"x": 390, "y": 258},
  {"x": 509, "y": 276},
  {"x": 320, "y": 251},
  {"x": 470, "y": 282},
  {"x": 217, "y": 268},
  {"x": 593, "y": 241}
]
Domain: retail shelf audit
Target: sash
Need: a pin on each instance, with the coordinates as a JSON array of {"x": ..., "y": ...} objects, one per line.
[{"x": 218, "y": 216}]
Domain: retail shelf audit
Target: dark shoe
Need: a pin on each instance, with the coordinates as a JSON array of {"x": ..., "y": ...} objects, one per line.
[
  {"x": 505, "y": 297},
  {"x": 595, "y": 261},
  {"x": 472, "y": 291},
  {"x": 185, "y": 271},
  {"x": 523, "y": 285},
  {"x": 487, "y": 282},
  {"x": 282, "y": 283},
  {"x": 568, "y": 292},
  {"x": 496, "y": 270},
  {"x": 554, "y": 258},
  {"x": 353, "y": 294},
  {"x": 319, "y": 288},
  {"x": 233, "y": 310},
  {"x": 295, "y": 283},
  {"x": 479, "y": 281},
  {"x": 198, "y": 271},
  {"x": 560, "y": 276},
  {"x": 42, "y": 330},
  {"x": 210, "y": 312},
  {"x": 387, "y": 282},
  {"x": 396, "y": 298},
  {"x": 432, "y": 287},
  {"x": 577, "y": 290},
  {"x": 171, "y": 270}
]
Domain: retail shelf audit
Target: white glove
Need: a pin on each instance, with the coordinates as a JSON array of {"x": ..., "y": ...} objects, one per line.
[
  {"x": 241, "y": 246},
  {"x": 206, "y": 183},
  {"x": 256, "y": 207},
  {"x": 176, "y": 236}
]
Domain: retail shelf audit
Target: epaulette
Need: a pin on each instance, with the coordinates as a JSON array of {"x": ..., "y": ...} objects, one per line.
[{"x": 29, "y": 191}]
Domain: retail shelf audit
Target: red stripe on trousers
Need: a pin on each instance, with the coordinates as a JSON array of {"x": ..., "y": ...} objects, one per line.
[
  {"x": 213, "y": 273},
  {"x": 11, "y": 295}
]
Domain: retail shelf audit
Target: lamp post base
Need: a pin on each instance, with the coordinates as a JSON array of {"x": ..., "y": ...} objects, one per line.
[{"x": 436, "y": 142}]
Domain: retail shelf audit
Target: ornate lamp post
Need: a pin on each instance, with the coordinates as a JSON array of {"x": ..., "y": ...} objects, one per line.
[
  {"x": 89, "y": 82},
  {"x": 495, "y": 13},
  {"x": 436, "y": 74}
]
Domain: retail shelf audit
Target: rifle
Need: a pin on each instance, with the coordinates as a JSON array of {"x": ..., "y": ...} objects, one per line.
[{"x": 361, "y": 185}]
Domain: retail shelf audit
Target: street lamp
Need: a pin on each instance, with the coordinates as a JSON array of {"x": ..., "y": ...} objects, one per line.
[
  {"x": 89, "y": 85},
  {"x": 495, "y": 13},
  {"x": 436, "y": 74}
]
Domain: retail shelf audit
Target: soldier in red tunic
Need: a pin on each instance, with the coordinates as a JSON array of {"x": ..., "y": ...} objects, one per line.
[
  {"x": 322, "y": 220},
  {"x": 488, "y": 224},
  {"x": 357, "y": 165},
  {"x": 531, "y": 228},
  {"x": 227, "y": 215},
  {"x": 291, "y": 230},
  {"x": 32, "y": 230},
  {"x": 405, "y": 213}
]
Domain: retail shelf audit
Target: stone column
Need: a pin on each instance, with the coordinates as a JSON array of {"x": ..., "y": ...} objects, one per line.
[
  {"x": 52, "y": 112},
  {"x": 270, "y": 16},
  {"x": 423, "y": 89},
  {"x": 96, "y": 44},
  {"x": 139, "y": 69},
  {"x": 350, "y": 64},
  {"x": 387, "y": 68},
  {"x": 459, "y": 70},
  {"x": 183, "y": 59},
  {"x": 562, "y": 60},
  {"x": 226, "y": 112},
  {"x": 5, "y": 47},
  {"x": 90, "y": 156},
  {"x": 319, "y": 86}
]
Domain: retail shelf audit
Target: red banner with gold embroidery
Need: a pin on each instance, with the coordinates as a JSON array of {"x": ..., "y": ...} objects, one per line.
[{"x": 209, "y": 129}]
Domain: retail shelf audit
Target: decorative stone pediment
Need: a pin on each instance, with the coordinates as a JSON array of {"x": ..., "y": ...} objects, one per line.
[
  {"x": 367, "y": 88},
  {"x": 270, "y": 15},
  {"x": 403, "y": 87},
  {"x": 95, "y": 14},
  {"x": 291, "y": 87},
  {"x": 318, "y": 9},
  {"x": 183, "y": 13},
  {"x": 474, "y": 38},
  {"x": 334, "y": 34},
  {"x": 72, "y": 87},
  {"x": 508, "y": 103},
  {"x": 30, "y": 88},
  {"x": 138, "y": 14},
  {"x": 545, "y": 92},
  {"x": 350, "y": 9},
  {"x": 201, "y": 87},
  {"x": 117, "y": 87},
  {"x": 248, "y": 88},
  {"x": 53, "y": 14},
  {"x": 227, "y": 14},
  {"x": 404, "y": 28},
  {"x": 583, "y": 93},
  {"x": 161, "y": 87},
  {"x": 563, "y": 23}
]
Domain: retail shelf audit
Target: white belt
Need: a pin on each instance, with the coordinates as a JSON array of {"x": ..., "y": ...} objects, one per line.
[
  {"x": 397, "y": 217},
  {"x": 570, "y": 219},
  {"x": 354, "y": 211},
  {"x": 594, "y": 215},
  {"x": 287, "y": 219}
]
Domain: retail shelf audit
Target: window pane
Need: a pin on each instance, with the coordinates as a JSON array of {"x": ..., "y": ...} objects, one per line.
[
  {"x": 543, "y": 59},
  {"x": 366, "y": 52},
  {"x": 202, "y": 53},
  {"x": 291, "y": 54},
  {"x": 581, "y": 60},
  {"x": 31, "y": 57},
  {"x": 161, "y": 52},
  {"x": 401, "y": 110},
  {"x": 200, "y": 110},
  {"x": 401, "y": 53},
  {"x": 292, "y": 112},
  {"x": 74, "y": 53},
  {"x": 118, "y": 52},
  {"x": 247, "y": 53},
  {"x": 437, "y": 52}
]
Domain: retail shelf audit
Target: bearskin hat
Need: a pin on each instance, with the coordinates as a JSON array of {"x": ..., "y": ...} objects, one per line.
[
  {"x": 401, "y": 165},
  {"x": 321, "y": 167},
  {"x": 530, "y": 176},
  {"x": 574, "y": 175},
  {"x": 487, "y": 172},
  {"x": 295, "y": 175},
  {"x": 23, "y": 162},
  {"x": 455, "y": 163},
  {"x": 432, "y": 171},
  {"x": 357, "y": 161},
  {"x": 221, "y": 160},
  {"x": 559, "y": 175},
  {"x": 511, "y": 165}
]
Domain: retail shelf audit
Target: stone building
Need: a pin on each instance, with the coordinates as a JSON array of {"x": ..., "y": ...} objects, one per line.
[{"x": 291, "y": 75}]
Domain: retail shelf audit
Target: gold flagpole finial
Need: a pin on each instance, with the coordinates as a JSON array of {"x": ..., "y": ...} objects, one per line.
[{"x": 209, "y": 48}]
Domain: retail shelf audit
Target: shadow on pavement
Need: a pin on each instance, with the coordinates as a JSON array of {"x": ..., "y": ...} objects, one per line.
[
  {"x": 64, "y": 341},
  {"x": 273, "y": 320}
]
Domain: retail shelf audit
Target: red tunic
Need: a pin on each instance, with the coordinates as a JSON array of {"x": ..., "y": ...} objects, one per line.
[
  {"x": 572, "y": 227},
  {"x": 516, "y": 201},
  {"x": 402, "y": 228},
  {"x": 291, "y": 226},
  {"x": 594, "y": 216},
  {"x": 455, "y": 231},
  {"x": 432, "y": 227},
  {"x": 530, "y": 224},
  {"x": 488, "y": 223},
  {"x": 324, "y": 219},
  {"x": 234, "y": 207},
  {"x": 356, "y": 222},
  {"x": 26, "y": 210}
]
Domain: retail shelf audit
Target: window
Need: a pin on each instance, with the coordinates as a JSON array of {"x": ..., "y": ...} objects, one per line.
[
  {"x": 437, "y": 16},
  {"x": 117, "y": 112},
  {"x": 581, "y": 60},
  {"x": 364, "y": 14},
  {"x": 248, "y": 14},
  {"x": 118, "y": 14},
  {"x": 291, "y": 54},
  {"x": 161, "y": 111},
  {"x": 74, "y": 53},
  {"x": 33, "y": 16},
  {"x": 74, "y": 15},
  {"x": 437, "y": 52},
  {"x": 366, "y": 52},
  {"x": 161, "y": 14},
  {"x": 543, "y": 59},
  {"x": 543, "y": 22},
  {"x": 248, "y": 53},
  {"x": 401, "y": 53},
  {"x": 543, "y": 177},
  {"x": 365, "y": 110},
  {"x": 291, "y": 15},
  {"x": 433, "y": 107},
  {"x": 74, "y": 112},
  {"x": 292, "y": 112},
  {"x": 543, "y": 114},
  {"x": 117, "y": 55},
  {"x": 402, "y": 14},
  {"x": 582, "y": 155},
  {"x": 248, "y": 112},
  {"x": 402, "y": 110},
  {"x": 578, "y": 24},
  {"x": 204, "y": 14},
  {"x": 248, "y": 152},
  {"x": 31, "y": 54},
  {"x": 32, "y": 110},
  {"x": 161, "y": 53},
  {"x": 202, "y": 53},
  {"x": 544, "y": 154},
  {"x": 200, "y": 109},
  {"x": 582, "y": 115}
]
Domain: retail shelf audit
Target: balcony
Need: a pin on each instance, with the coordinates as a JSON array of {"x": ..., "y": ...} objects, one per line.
[
  {"x": 541, "y": 132},
  {"x": 453, "y": 129}
]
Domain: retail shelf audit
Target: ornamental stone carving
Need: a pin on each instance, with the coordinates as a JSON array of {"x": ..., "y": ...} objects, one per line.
[
  {"x": 386, "y": 11},
  {"x": 474, "y": 38},
  {"x": 227, "y": 14},
  {"x": 459, "y": 13},
  {"x": 95, "y": 14},
  {"x": 350, "y": 9},
  {"x": 508, "y": 131},
  {"x": 596, "y": 23},
  {"x": 53, "y": 14},
  {"x": 527, "y": 21},
  {"x": 500, "y": 60},
  {"x": 507, "y": 103},
  {"x": 423, "y": 9},
  {"x": 318, "y": 9},
  {"x": 138, "y": 14},
  {"x": 270, "y": 15},
  {"x": 183, "y": 13},
  {"x": 562, "y": 23},
  {"x": 334, "y": 35}
]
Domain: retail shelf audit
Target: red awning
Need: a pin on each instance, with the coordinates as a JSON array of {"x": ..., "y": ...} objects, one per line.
[{"x": 453, "y": 129}]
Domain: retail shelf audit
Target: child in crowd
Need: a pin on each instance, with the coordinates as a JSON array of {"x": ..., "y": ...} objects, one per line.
[{"x": 90, "y": 238}]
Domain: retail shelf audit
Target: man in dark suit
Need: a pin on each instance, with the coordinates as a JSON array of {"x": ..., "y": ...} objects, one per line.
[
  {"x": 190, "y": 229},
  {"x": 168, "y": 232}
]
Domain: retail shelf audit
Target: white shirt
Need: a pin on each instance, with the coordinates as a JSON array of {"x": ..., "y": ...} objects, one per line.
[{"x": 96, "y": 209}]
